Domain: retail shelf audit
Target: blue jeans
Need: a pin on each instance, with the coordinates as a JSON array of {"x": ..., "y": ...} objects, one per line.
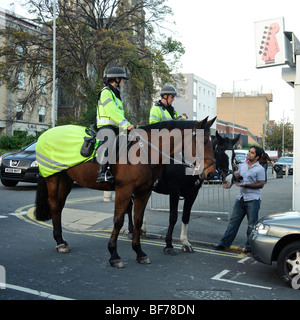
[{"x": 240, "y": 209}]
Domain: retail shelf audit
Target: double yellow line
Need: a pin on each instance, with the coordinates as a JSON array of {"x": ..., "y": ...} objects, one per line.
[{"x": 105, "y": 234}]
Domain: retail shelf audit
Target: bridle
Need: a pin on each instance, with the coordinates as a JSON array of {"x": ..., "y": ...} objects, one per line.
[{"x": 224, "y": 172}]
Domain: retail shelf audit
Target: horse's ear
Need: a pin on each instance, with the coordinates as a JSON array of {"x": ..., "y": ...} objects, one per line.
[
  {"x": 219, "y": 138},
  {"x": 210, "y": 122},
  {"x": 201, "y": 123},
  {"x": 236, "y": 139}
]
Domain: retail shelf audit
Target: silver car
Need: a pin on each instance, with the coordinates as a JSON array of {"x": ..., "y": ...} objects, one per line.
[
  {"x": 276, "y": 237},
  {"x": 286, "y": 162}
]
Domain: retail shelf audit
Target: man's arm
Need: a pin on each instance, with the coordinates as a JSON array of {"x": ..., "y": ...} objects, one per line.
[{"x": 256, "y": 185}]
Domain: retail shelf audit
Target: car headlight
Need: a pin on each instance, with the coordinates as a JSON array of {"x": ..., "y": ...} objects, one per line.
[
  {"x": 0, "y": 160},
  {"x": 261, "y": 228},
  {"x": 34, "y": 164}
]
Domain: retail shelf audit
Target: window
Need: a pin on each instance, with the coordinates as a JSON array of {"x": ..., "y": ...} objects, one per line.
[
  {"x": 195, "y": 88},
  {"x": 43, "y": 84},
  {"x": 195, "y": 105},
  {"x": 19, "y": 111},
  {"x": 42, "y": 113},
  {"x": 21, "y": 80}
]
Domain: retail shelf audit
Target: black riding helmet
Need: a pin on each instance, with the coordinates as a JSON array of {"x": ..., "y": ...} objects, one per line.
[
  {"x": 168, "y": 90},
  {"x": 114, "y": 73}
]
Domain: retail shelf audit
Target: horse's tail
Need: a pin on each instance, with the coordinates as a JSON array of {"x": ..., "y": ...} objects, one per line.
[{"x": 42, "y": 210}]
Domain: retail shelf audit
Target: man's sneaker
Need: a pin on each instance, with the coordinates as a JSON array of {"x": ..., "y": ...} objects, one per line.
[{"x": 220, "y": 247}]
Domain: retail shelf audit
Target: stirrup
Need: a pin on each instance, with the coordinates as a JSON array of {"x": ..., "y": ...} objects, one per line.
[
  {"x": 105, "y": 177},
  {"x": 108, "y": 176}
]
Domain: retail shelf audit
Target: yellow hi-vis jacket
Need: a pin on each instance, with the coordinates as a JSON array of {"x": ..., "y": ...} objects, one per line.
[
  {"x": 160, "y": 113},
  {"x": 110, "y": 110}
]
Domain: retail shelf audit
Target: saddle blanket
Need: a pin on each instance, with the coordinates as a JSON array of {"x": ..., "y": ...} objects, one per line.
[{"x": 58, "y": 149}]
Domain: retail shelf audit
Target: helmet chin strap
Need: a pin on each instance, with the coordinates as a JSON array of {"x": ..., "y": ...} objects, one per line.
[
  {"x": 118, "y": 82},
  {"x": 166, "y": 99}
]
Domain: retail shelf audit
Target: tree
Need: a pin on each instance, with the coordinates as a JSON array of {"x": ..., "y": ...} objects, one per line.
[
  {"x": 93, "y": 35},
  {"x": 274, "y": 135}
]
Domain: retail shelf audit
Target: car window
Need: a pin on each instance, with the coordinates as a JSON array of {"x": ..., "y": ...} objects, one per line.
[{"x": 31, "y": 147}]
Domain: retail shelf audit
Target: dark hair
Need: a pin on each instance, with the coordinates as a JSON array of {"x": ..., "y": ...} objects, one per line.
[{"x": 258, "y": 151}]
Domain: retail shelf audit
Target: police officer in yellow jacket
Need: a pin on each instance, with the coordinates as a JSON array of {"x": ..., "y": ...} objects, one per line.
[
  {"x": 110, "y": 112},
  {"x": 163, "y": 109}
]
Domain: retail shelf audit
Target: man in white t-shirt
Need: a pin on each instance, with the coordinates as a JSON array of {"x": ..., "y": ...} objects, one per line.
[{"x": 251, "y": 179}]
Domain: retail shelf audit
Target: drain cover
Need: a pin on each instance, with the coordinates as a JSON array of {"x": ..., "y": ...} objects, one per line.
[{"x": 205, "y": 294}]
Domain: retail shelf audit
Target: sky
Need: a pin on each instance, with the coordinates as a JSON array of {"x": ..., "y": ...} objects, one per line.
[{"x": 218, "y": 36}]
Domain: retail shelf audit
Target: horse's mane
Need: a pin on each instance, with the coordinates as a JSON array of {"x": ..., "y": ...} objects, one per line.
[
  {"x": 175, "y": 124},
  {"x": 170, "y": 125}
]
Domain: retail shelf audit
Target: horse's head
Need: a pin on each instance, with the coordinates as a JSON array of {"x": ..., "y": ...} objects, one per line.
[
  {"x": 209, "y": 159},
  {"x": 224, "y": 154}
]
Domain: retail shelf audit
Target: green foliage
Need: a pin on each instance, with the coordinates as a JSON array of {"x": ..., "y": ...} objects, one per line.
[
  {"x": 275, "y": 134},
  {"x": 89, "y": 42},
  {"x": 18, "y": 140}
]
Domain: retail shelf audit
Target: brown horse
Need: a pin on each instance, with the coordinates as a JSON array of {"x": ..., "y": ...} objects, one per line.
[{"x": 130, "y": 179}]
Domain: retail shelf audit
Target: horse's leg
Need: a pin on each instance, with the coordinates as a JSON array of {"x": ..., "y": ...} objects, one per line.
[
  {"x": 187, "y": 207},
  {"x": 121, "y": 203},
  {"x": 143, "y": 227},
  {"x": 129, "y": 213},
  {"x": 139, "y": 209},
  {"x": 59, "y": 186},
  {"x": 174, "y": 199}
]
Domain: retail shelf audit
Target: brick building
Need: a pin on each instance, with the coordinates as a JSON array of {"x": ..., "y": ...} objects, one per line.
[{"x": 251, "y": 111}]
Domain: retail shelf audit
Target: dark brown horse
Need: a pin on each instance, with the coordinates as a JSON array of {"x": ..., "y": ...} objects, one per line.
[{"x": 130, "y": 179}]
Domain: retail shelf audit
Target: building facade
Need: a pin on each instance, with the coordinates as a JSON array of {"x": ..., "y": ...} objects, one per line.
[
  {"x": 251, "y": 111},
  {"x": 15, "y": 112},
  {"x": 197, "y": 98}
]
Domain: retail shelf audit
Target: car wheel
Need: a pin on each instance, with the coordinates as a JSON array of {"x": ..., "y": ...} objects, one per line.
[
  {"x": 9, "y": 183},
  {"x": 288, "y": 264}
]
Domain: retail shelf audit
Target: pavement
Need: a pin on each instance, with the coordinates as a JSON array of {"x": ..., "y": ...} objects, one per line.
[{"x": 205, "y": 227}]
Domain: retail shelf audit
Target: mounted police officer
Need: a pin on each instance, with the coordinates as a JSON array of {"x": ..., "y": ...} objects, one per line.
[
  {"x": 110, "y": 114},
  {"x": 163, "y": 109}
]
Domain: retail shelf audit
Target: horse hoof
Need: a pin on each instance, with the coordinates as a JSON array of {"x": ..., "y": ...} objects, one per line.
[
  {"x": 186, "y": 248},
  {"x": 143, "y": 233},
  {"x": 130, "y": 235},
  {"x": 169, "y": 252},
  {"x": 143, "y": 260},
  {"x": 63, "y": 248},
  {"x": 116, "y": 264}
]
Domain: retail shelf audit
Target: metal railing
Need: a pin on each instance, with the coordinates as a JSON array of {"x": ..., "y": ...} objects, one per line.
[{"x": 212, "y": 198}]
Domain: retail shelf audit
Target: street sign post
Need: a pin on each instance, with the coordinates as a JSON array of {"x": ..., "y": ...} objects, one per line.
[{"x": 274, "y": 46}]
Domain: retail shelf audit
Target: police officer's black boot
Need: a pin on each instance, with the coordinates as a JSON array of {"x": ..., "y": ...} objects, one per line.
[{"x": 104, "y": 174}]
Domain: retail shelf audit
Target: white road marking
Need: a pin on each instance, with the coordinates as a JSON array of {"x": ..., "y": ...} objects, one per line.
[
  {"x": 244, "y": 260},
  {"x": 219, "y": 276},
  {"x": 34, "y": 292},
  {"x": 5, "y": 215}
]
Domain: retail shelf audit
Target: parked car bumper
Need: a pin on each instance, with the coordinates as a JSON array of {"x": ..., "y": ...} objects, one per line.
[
  {"x": 29, "y": 175},
  {"x": 262, "y": 247}
]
